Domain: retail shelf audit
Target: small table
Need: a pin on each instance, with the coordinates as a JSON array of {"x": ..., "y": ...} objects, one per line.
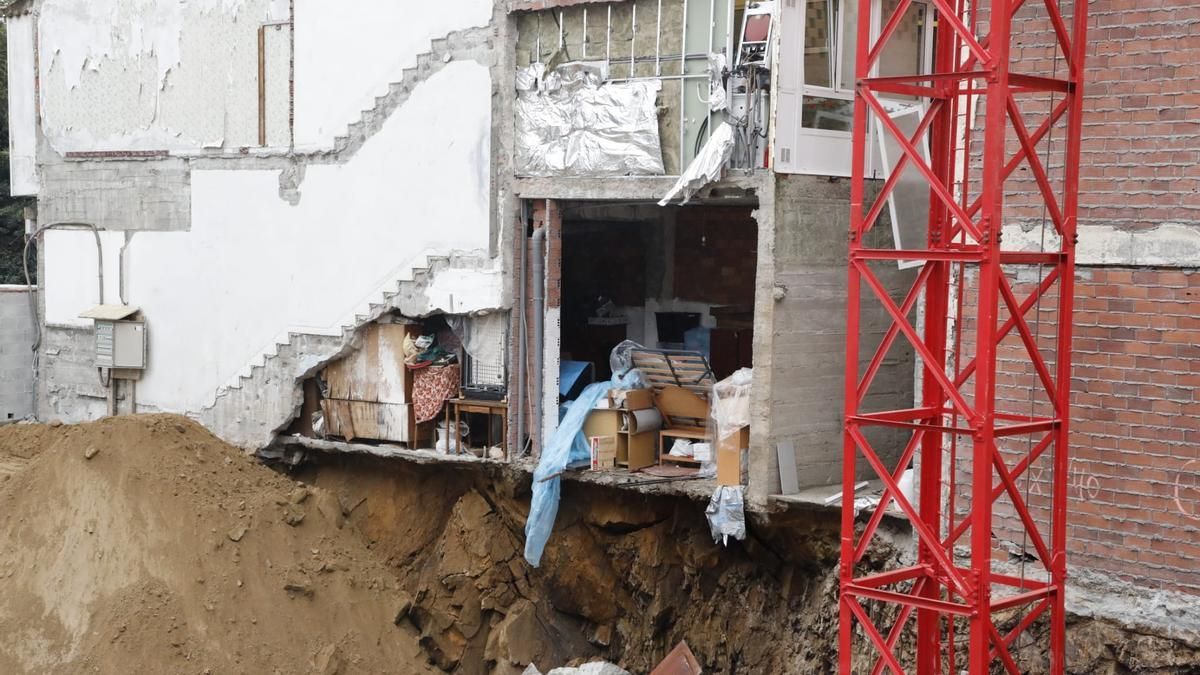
[{"x": 455, "y": 407}]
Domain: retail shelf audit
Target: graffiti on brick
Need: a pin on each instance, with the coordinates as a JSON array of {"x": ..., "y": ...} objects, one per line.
[
  {"x": 1187, "y": 489},
  {"x": 1081, "y": 483}
]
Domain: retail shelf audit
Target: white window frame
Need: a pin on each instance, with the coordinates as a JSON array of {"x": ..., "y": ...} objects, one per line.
[{"x": 824, "y": 152}]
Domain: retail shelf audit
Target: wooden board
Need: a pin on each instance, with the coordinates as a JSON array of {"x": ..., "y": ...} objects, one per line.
[
  {"x": 362, "y": 419},
  {"x": 374, "y": 372},
  {"x": 677, "y": 402}
]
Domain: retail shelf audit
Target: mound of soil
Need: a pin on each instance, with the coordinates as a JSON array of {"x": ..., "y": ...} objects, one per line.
[{"x": 145, "y": 544}]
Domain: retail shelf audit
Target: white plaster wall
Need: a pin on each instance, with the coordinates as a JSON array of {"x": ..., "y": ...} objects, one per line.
[
  {"x": 22, "y": 107},
  {"x": 71, "y": 285},
  {"x": 176, "y": 75},
  {"x": 347, "y": 55},
  {"x": 253, "y": 267}
]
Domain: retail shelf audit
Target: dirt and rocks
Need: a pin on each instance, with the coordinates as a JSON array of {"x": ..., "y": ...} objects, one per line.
[{"x": 146, "y": 545}]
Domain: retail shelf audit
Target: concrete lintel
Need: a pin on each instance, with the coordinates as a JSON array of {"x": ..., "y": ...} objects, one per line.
[
  {"x": 626, "y": 188},
  {"x": 1167, "y": 245}
]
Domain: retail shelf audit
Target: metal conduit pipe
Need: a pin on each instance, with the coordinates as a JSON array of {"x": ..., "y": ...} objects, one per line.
[
  {"x": 522, "y": 334},
  {"x": 537, "y": 277}
]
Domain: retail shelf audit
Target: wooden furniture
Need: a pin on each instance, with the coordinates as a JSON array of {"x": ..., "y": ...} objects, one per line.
[
  {"x": 634, "y": 450},
  {"x": 667, "y": 368},
  {"x": 456, "y": 407},
  {"x": 685, "y": 416},
  {"x": 731, "y": 349}
]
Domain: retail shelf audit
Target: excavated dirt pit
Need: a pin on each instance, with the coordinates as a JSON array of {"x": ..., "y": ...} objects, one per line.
[{"x": 144, "y": 544}]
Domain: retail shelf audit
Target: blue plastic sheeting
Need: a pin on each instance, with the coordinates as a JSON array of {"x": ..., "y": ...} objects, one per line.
[
  {"x": 573, "y": 376},
  {"x": 568, "y": 445}
]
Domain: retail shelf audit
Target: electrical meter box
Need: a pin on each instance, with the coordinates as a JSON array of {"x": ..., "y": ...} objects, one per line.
[
  {"x": 121, "y": 344},
  {"x": 120, "y": 337}
]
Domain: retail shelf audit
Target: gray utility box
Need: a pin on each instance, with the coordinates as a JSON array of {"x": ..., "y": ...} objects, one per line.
[
  {"x": 121, "y": 344},
  {"x": 120, "y": 337}
]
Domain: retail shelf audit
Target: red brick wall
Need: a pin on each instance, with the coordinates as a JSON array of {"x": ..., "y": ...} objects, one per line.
[
  {"x": 1140, "y": 158},
  {"x": 1134, "y": 478},
  {"x": 716, "y": 255}
]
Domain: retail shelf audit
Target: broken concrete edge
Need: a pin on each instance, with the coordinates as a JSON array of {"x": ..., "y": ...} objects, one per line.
[
  {"x": 1098, "y": 595},
  {"x": 695, "y": 490},
  {"x": 313, "y": 351}
]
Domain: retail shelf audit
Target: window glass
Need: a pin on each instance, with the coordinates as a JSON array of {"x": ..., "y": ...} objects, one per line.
[
  {"x": 830, "y": 114},
  {"x": 819, "y": 18},
  {"x": 848, "y": 43},
  {"x": 904, "y": 53}
]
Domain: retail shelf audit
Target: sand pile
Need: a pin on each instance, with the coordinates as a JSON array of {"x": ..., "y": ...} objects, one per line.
[{"x": 144, "y": 544}]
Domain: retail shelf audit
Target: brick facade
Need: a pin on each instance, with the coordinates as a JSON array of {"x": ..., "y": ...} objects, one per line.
[
  {"x": 1134, "y": 477},
  {"x": 1141, "y": 147}
]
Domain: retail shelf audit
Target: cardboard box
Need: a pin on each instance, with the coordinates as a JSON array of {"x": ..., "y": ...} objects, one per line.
[
  {"x": 729, "y": 456},
  {"x": 602, "y": 422},
  {"x": 604, "y": 452},
  {"x": 639, "y": 399}
]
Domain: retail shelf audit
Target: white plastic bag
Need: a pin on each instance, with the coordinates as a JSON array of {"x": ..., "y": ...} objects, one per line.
[
  {"x": 681, "y": 448},
  {"x": 726, "y": 514}
]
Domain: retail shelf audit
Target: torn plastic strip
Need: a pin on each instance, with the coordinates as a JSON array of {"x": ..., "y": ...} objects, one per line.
[{"x": 707, "y": 166}]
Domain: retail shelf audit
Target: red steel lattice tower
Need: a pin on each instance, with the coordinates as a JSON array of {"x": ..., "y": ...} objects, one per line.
[{"x": 988, "y": 116}]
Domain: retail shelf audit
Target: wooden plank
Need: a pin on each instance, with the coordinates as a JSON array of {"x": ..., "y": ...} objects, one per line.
[
  {"x": 675, "y": 402},
  {"x": 362, "y": 419},
  {"x": 374, "y": 372}
]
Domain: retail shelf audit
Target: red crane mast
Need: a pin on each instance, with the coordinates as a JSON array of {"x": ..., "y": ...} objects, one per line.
[{"x": 988, "y": 114}]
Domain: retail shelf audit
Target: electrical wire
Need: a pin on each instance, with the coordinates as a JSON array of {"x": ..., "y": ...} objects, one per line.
[{"x": 33, "y": 301}]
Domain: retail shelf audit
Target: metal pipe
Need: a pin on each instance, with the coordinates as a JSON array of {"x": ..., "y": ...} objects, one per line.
[
  {"x": 32, "y": 238},
  {"x": 608, "y": 44},
  {"x": 658, "y": 41},
  {"x": 683, "y": 163},
  {"x": 262, "y": 86},
  {"x": 585, "y": 33},
  {"x": 712, "y": 16},
  {"x": 522, "y": 355},
  {"x": 537, "y": 278},
  {"x": 633, "y": 41}
]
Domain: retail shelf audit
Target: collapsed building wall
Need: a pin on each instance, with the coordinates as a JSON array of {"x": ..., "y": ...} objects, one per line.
[{"x": 231, "y": 252}]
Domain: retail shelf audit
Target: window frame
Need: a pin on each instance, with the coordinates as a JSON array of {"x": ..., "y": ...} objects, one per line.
[{"x": 827, "y": 151}]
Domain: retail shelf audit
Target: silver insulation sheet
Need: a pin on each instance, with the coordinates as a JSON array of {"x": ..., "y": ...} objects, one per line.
[{"x": 569, "y": 122}]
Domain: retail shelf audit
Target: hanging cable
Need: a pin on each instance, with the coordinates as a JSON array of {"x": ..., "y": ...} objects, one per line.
[{"x": 1037, "y": 336}]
